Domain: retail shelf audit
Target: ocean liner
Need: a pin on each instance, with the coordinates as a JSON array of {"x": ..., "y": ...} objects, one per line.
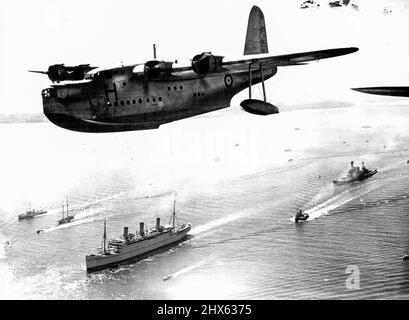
[{"x": 133, "y": 246}]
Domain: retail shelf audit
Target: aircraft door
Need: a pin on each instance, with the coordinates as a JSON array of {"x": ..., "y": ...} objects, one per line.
[
  {"x": 99, "y": 106},
  {"x": 120, "y": 84},
  {"x": 111, "y": 93}
]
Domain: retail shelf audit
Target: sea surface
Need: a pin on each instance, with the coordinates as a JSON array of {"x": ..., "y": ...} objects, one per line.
[{"x": 237, "y": 178}]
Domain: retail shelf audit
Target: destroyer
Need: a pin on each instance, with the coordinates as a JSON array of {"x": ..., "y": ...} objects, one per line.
[
  {"x": 31, "y": 213},
  {"x": 134, "y": 246},
  {"x": 356, "y": 174}
]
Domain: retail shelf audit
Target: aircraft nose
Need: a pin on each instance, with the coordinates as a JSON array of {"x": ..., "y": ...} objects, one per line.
[
  {"x": 55, "y": 111},
  {"x": 51, "y": 106}
]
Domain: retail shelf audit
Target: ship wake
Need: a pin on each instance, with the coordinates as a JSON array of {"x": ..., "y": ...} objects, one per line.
[
  {"x": 79, "y": 219},
  {"x": 188, "y": 269},
  {"x": 344, "y": 197},
  {"x": 202, "y": 229}
]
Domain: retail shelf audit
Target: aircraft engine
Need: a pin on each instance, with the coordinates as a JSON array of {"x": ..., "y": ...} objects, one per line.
[
  {"x": 155, "y": 69},
  {"x": 59, "y": 72},
  {"x": 206, "y": 63}
]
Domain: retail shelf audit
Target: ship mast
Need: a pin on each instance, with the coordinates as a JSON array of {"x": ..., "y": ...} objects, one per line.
[
  {"x": 62, "y": 204},
  {"x": 105, "y": 236},
  {"x": 67, "y": 206},
  {"x": 174, "y": 213}
]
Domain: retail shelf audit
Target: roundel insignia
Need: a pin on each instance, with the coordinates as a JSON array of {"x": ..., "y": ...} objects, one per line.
[{"x": 228, "y": 80}]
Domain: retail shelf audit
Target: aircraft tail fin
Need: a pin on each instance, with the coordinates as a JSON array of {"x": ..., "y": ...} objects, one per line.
[{"x": 256, "y": 37}]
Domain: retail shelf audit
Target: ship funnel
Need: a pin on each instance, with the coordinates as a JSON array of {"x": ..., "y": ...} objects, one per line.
[
  {"x": 157, "y": 224},
  {"x": 141, "y": 229},
  {"x": 352, "y": 164},
  {"x": 125, "y": 232}
]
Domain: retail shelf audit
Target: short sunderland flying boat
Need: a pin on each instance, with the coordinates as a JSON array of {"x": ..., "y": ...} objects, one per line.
[{"x": 145, "y": 96}]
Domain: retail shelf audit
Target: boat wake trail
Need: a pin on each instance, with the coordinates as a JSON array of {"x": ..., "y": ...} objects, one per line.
[
  {"x": 79, "y": 218},
  {"x": 222, "y": 221},
  {"x": 88, "y": 212},
  {"x": 187, "y": 269},
  {"x": 340, "y": 199}
]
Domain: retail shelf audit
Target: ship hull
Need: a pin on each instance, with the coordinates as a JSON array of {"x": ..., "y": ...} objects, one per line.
[
  {"x": 345, "y": 180},
  {"x": 65, "y": 220},
  {"x": 23, "y": 216},
  {"x": 303, "y": 218},
  {"x": 135, "y": 251}
]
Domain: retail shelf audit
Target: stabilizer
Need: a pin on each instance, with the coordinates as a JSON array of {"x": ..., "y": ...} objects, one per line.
[{"x": 256, "y": 37}]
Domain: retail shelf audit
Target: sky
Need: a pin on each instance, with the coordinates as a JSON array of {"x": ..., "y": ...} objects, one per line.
[{"x": 36, "y": 34}]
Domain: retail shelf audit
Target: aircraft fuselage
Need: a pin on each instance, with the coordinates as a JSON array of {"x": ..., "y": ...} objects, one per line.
[{"x": 119, "y": 99}]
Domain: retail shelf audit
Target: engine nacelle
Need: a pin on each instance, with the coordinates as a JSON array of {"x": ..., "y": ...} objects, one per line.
[
  {"x": 206, "y": 63},
  {"x": 59, "y": 72},
  {"x": 154, "y": 69}
]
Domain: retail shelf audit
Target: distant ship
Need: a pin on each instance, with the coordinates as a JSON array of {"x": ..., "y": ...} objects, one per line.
[
  {"x": 356, "y": 174},
  {"x": 309, "y": 4},
  {"x": 134, "y": 246},
  {"x": 338, "y": 3},
  {"x": 31, "y": 213},
  {"x": 67, "y": 218}
]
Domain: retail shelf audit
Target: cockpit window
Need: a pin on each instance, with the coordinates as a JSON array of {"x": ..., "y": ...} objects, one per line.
[
  {"x": 48, "y": 93},
  {"x": 89, "y": 76},
  {"x": 98, "y": 75}
]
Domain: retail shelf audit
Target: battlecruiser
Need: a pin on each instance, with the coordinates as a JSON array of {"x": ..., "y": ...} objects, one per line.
[
  {"x": 356, "y": 174},
  {"x": 31, "y": 213},
  {"x": 134, "y": 246}
]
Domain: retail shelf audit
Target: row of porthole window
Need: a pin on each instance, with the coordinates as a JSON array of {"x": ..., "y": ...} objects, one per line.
[
  {"x": 198, "y": 94},
  {"x": 180, "y": 87},
  {"x": 140, "y": 100}
]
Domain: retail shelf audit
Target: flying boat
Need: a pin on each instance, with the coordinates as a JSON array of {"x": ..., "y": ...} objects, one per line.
[{"x": 145, "y": 96}]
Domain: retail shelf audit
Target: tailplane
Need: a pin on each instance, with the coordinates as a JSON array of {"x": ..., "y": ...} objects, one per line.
[{"x": 256, "y": 38}]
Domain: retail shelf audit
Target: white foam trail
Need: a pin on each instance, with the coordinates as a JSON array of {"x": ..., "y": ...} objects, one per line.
[
  {"x": 78, "y": 219},
  {"x": 68, "y": 225},
  {"x": 90, "y": 204},
  {"x": 222, "y": 221},
  {"x": 339, "y": 200},
  {"x": 395, "y": 165},
  {"x": 189, "y": 268}
]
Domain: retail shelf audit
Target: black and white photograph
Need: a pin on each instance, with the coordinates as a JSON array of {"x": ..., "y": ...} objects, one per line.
[{"x": 204, "y": 150}]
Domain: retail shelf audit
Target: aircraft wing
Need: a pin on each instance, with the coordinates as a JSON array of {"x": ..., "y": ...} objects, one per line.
[
  {"x": 295, "y": 58},
  {"x": 385, "y": 91},
  {"x": 34, "y": 71}
]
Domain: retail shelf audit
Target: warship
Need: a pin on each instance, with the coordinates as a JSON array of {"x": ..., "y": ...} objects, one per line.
[
  {"x": 356, "y": 174},
  {"x": 31, "y": 213},
  {"x": 133, "y": 246}
]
